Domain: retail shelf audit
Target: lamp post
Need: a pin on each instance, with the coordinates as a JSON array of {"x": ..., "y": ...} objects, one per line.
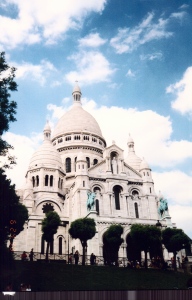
[{"x": 159, "y": 225}]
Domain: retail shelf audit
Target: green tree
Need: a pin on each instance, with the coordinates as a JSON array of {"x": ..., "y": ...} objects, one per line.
[
  {"x": 13, "y": 213},
  {"x": 175, "y": 240},
  {"x": 7, "y": 106},
  {"x": 83, "y": 229},
  {"x": 146, "y": 237},
  {"x": 112, "y": 241},
  {"x": 50, "y": 225}
]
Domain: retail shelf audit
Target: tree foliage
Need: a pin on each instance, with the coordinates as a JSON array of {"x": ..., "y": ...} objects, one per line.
[
  {"x": 13, "y": 213},
  {"x": 83, "y": 229},
  {"x": 112, "y": 241},
  {"x": 175, "y": 240},
  {"x": 147, "y": 238},
  {"x": 50, "y": 225},
  {"x": 7, "y": 106}
]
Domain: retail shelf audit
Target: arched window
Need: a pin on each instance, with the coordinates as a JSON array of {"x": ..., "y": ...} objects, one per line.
[
  {"x": 75, "y": 163},
  {"x": 60, "y": 245},
  {"x": 97, "y": 205},
  {"x": 59, "y": 181},
  {"x": 46, "y": 180},
  {"x": 96, "y": 189},
  {"x": 51, "y": 180},
  {"x": 37, "y": 180},
  {"x": 68, "y": 164},
  {"x": 136, "y": 210},
  {"x": 117, "y": 190},
  {"x": 95, "y": 161},
  {"x": 33, "y": 181},
  {"x": 88, "y": 162}
]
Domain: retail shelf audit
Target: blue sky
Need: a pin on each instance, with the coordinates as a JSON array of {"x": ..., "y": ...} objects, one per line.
[{"x": 133, "y": 62}]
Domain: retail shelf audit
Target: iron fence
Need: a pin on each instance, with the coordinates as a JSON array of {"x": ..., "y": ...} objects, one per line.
[{"x": 99, "y": 261}]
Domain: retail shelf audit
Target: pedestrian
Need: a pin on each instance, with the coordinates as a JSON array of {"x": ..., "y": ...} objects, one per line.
[
  {"x": 23, "y": 287},
  {"x": 76, "y": 257},
  {"x": 70, "y": 258},
  {"x": 31, "y": 254},
  {"x": 24, "y": 256},
  {"x": 9, "y": 287},
  {"x": 28, "y": 289},
  {"x": 92, "y": 259}
]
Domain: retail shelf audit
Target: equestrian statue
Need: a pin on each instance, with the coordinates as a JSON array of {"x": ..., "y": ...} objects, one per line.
[{"x": 91, "y": 200}]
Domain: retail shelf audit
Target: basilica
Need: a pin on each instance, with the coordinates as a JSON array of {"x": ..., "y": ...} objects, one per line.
[{"x": 76, "y": 174}]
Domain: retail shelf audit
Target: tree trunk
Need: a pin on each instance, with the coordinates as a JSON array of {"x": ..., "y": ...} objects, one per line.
[
  {"x": 47, "y": 251},
  {"x": 84, "y": 245},
  {"x": 145, "y": 259},
  {"x": 174, "y": 261}
]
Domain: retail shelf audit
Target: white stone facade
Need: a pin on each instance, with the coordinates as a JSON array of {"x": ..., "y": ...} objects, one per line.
[{"x": 73, "y": 162}]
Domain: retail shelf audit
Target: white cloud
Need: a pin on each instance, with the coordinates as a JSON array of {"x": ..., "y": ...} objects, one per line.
[
  {"x": 129, "y": 39},
  {"x": 24, "y": 148},
  {"x": 130, "y": 73},
  {"x": 38, "y": 73},
  {"x": 181, "y": 215},
  {"x": 151, "y": 56},
  {"x": 176, "y": 186},
  {"x": 42, "y": 19},
  {"x": 56, "y": 111},
  {"x": 184, "y": 6},
  {"x": 92, "y": 40},
  {"x": 149, "y": 130},
  {"x": 183, "y": 92},
  {"x": 178, "y": 15},
  {"x": 92, "y": 67}
]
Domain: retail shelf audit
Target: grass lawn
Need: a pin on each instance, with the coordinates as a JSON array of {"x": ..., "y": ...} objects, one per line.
[{"x": 56, "y": 276}]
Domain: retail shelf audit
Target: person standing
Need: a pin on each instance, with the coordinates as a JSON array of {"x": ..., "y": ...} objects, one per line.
[
  {"x": 31, "y": 254},
  {"x": 76, "y": 257},
  {"x": 24, "y": 256},
  {"x": 92, "y": 259}
]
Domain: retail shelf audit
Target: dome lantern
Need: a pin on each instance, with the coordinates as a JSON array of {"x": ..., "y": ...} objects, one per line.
[
  {"x": 47, "y": 132},
  {"x": 76, "y": 94}
]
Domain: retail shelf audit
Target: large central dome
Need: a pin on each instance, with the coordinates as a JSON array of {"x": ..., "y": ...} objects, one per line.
[
  {"x": 77, "y": 125},
  {"x": 77, "y": 120}
]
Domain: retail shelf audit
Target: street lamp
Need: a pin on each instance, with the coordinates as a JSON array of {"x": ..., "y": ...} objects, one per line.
[{"x": 159, "y": 225}]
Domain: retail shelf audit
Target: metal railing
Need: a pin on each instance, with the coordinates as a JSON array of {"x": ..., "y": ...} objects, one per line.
[{"x": 99, "y": 261}]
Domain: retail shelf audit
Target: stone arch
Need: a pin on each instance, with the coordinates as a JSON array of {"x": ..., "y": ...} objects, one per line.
[
  {"x": 99, "y": 186},
  {"x": 117, "y": 189},
  {"x": 57, "y": 208},
  {"x": 61, "y": 244},
  {"x": 68, "y": 165},
  {"x": 133, "y": 190}
]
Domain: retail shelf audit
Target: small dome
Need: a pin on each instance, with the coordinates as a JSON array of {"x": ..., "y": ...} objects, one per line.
[
  {"x": 144, "y": 165},
  {"x": 76, "y": 89},
  {"x": 47, "y": 156},
  {"x": 130, "y": 140},
  {"x": 133, "y": 161},
  {"x": 47, "y": 127}
]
